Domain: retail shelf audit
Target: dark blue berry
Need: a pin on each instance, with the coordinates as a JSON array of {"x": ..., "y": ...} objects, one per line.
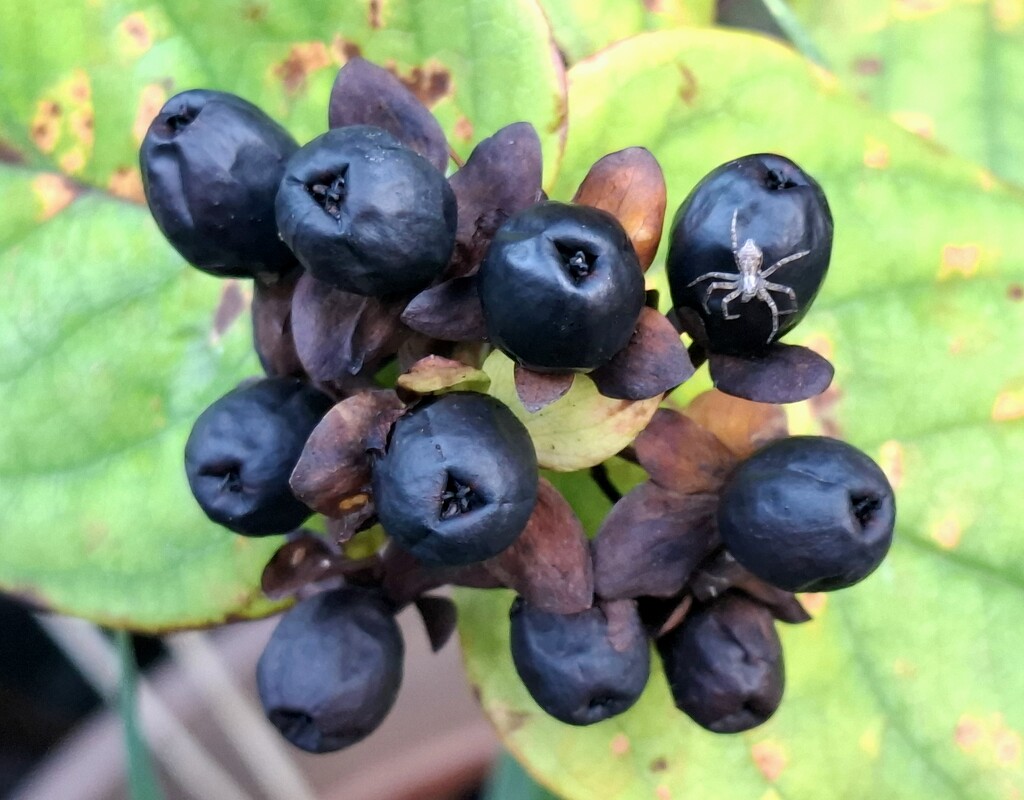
[
  {"x": 366, "y": 214},
  {"x": 561, "y": 287},
  {"x": 242, "y": 450},
  {"x": 808, "y": 514},
  {"x": 211, "y": 166}
]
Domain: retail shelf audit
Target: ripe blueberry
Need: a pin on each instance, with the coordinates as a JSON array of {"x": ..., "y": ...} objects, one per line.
[
  {"x": 332, "y": 669},
  {"x": 561, "y": 287},
  {"x": 211, "y": 165},
  {"x": 242, "y": 450},
  {"x": 808, "y": 514},
  {"x": 366, "y": 214},
  {"x": 581, "y": 668},
  {"x": 459, "y": 479},
  {"x": 724, "y": 664},
  {"x": 748, "y": 251}
]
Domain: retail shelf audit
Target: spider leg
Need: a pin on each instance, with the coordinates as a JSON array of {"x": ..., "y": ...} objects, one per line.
[
  {"x": 763, "y": 295},
  {"x": 735, "y": 243},
  {"x": 782, "y": 262},
  {"x": 715, "y": 287},
  {"x": 778, "y": 287},
  {"x": 725, "y": 304},
  {"x": 729, "y": 276}
]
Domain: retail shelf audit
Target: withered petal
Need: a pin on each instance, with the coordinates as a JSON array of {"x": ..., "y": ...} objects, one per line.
[
  {"x": 742, "y": 425},
  {"x": 300, "y": 561},
  {"x": 785, "y": 373},
  {"x": 549, "y": 564},
  {"x": 338, "y": 334},
  {"x": 654, "y": 361},
  {"x": 722, "y": 573},
  {"x": 682, "y": 456},
  {"x": 365, "y": 94},
  {"x": 332, "y": 475},
  {"x": 651, "y": 542},
  {"x": 438, "y": 374},
  {"x": 630, "y": 185},
  {"x": 537, "y": 390},
  {"x": 272, "y": 326},
  {"x": 501, "y": 177},
  {"x": 450, "y": 311},
  {"x": 439, "y": 616}
]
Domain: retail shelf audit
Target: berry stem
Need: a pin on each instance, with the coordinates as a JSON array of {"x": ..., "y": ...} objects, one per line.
[{"x": 599, "y": 472}]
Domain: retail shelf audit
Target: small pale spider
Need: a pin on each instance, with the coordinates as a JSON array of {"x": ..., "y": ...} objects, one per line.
[{"x": 750, "y": 282}]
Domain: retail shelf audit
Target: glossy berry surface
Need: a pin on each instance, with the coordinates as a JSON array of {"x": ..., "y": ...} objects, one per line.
[
  {"x": 459, "y": 479},
  {"x": 242, "y": 451},
  {"x": 808, "y": 514},
  {"x": 724, "y": 665},
  {"x": 581, "y": 668},
  {"x": 754, "y": 233},
  {"x": 331, "y": 669},
  {"x": 366, "y": 214},
  {"x": 211, "y": 166},
  {"x": 561, "y": 287}
]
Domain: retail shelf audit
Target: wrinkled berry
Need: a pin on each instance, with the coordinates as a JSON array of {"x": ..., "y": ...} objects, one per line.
[
  {"x": 211, "y": 166},
  {"x": 332, "y": 669},
  {"x": 581, "y": 668},
  {"x": 459, "y": 479},
  {"x": 724, "y": 665},
  {"x": 748, "y": 251},
  {"x": 808, "y": 514},
  {"x": 242, "y": 450},
  {"x": 366, "y": 214},
  {"x": 561, "y": 287}
]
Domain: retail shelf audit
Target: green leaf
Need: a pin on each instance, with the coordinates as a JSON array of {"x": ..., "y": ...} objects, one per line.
[
  {"x": 580, "y": 429},
  {"x": 582, "y": 27},
  {"x": 108, "y": 345},
  {"x": 142, "y": 782},
  {"x": 946, "y": 70},
  {"x": 906, "y": 685}
]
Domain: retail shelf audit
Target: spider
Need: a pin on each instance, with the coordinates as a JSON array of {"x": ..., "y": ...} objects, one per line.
[{"x": 750, "y": 282}]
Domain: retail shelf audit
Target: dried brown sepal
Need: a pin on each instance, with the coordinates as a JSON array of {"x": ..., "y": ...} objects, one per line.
[
  {"x": 785, "y": 373},
  {"x": 305, "y": 562},
  {"x": 405, "y": 577},
  {"x": 549, "y": 565},
  {"x": 681, "y": 455},
  {"x": 536, "y": 390},
  {"x": 723, "y": 573},
  {"x": 630, "y": 185},
  {"x": 365, "y": 94},
  {"x": 654, "y": 361},
  {"x": 272, "y": 326},
  {"x": 501, "y": 177},
  {"x": 339, "y": 335},
  {"x": 450, "y": 311},
  {"x": 663, "y": 614},
  {"x": 742, "y": 425},
  {"x": 359, "y": 513},
  {"x": 623, "y": 623},
  {"x": 651, "y": 542},
  {"x": 332, "y": 475},
  {"x": 439, "y": 616},
  {"x": 435, "y": 374}
]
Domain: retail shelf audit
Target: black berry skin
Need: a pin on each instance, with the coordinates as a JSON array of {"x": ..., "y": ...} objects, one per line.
[
  {"x": 561, "y": 287},
  {"x": 459, "y": 479},
  {"x": 332, "y": 669},
  {"x": 724, "y": 665},
  {"x": 366, "y": 214},
  {"x": 808, "y": 514},
  {"x": 211, "y": 165},
  {"x": 242, "y": 450},
  {"x": 581, "y": 668},
  {"x": 784, "y": 212}
]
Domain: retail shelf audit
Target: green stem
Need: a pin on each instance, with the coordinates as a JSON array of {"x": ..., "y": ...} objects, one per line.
[
  {"x": 795, "y": 31},
  {"x": 142, "y": 782}
]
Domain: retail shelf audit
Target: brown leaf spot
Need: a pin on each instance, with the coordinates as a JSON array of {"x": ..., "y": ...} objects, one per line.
[
  {"x": 1007, "y": 747},
  {"x": 137, "y": 37},
  {"x": 72, "y": 162},
  {"x": 891, "y": 461},
  {"x": 1014, "y": 291},
  {"x": 537, "y": 390},
  {"x": 825, "y": 410},
  {"x": 508, "y": 719},
  {"x": 1008, "y": 406},
  {"x": 688, "y": 88},
  {"x": 430, "y": 83},
  {"x": 619, "y": 745},
  {"x": 662, "y": 792},
  {"x": 659, "y": 764},
  {"x": 151, "y": 100},
  {"x": 79, "y": 88},
  {"x": 876, "y": 153},
  {"x": 344, "y": 50},
  {"x": 81, "y": 124},
  {"x": 10, "y": 155},
  {"x": 561, "y": 116},
  {"x": 232, "y": 303},
  {"x": 947, "y": 531},
  {"x": 463, "y": 128},
  {"x": 375, "y": 14},
  {"x": 915, "y": 122},
  {"x": 769, "y": 758},
  {"x": 959, "y": 259},
  {"x": 303, "y": 59},
  {"x": 868, "y": 65},
  {"x": 44, "y": 129},
  {"x": 254, "y": 12},
  {"x": 54, "y": 193},
  {"x": 126, "y": 183},
  {"x": 917, "y": 9},
  {"x": 814, "y": 603}
]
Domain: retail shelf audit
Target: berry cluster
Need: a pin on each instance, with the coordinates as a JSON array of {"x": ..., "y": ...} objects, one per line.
[{"x": 368, "y": 261}]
